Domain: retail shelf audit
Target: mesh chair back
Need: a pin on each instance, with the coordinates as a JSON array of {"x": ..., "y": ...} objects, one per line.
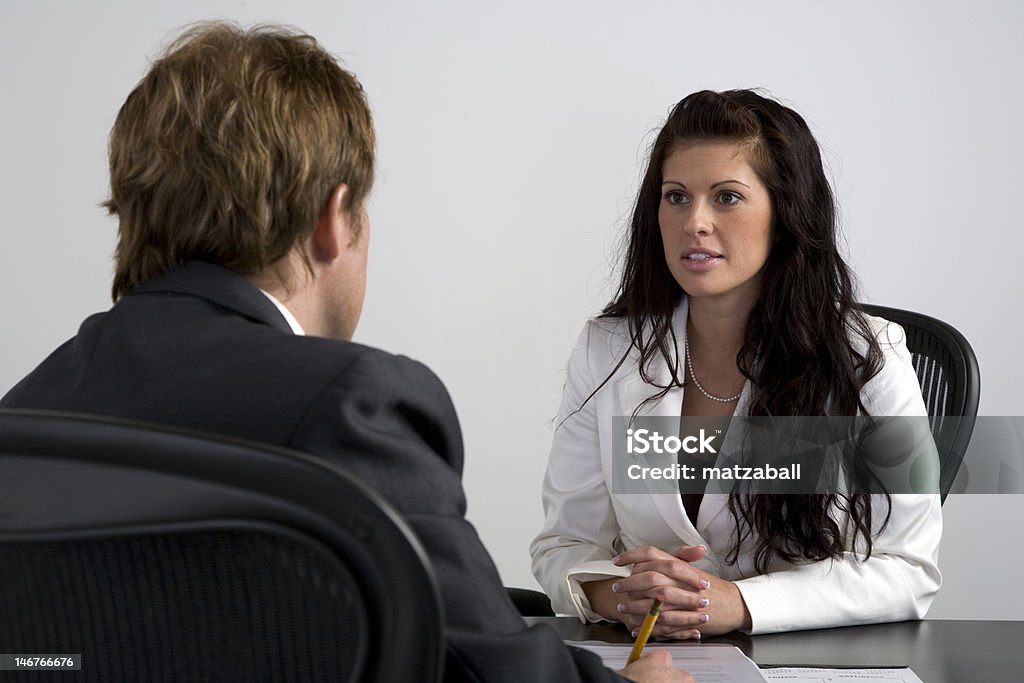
[
  {"x": 947, "y": 370},
  {"x": 167, "y": 556}
]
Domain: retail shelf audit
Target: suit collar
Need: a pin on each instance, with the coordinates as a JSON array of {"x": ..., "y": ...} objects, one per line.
[{"x": 220, "y": 286}]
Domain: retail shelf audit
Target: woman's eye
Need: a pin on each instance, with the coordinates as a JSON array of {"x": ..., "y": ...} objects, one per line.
[
  {"x": 729, "y": 198},
  {"x": 676, "y": 197}
]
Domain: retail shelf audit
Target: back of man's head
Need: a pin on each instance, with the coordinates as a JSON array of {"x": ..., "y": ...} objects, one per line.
[{"x": 228, "y": 150}]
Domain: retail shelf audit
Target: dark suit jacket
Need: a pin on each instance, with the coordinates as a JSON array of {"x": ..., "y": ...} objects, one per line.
[{"x": 203, "y": 348}]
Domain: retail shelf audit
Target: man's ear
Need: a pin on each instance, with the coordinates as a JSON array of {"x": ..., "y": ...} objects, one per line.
[{"x": 333, "y": 231}]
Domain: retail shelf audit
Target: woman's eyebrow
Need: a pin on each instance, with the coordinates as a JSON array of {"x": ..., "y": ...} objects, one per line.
[
  {"x": 713, "y": 186},
  {"x": 723, "y": 182}
]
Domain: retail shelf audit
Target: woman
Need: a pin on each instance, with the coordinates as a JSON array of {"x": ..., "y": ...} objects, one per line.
[{"x": 734, "y": 300}]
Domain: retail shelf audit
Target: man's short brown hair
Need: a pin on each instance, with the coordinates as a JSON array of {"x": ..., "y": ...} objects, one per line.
[{"x": 228, "y": 150}]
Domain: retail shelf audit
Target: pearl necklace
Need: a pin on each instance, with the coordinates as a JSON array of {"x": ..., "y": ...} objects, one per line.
[{"x": 689, "y": 365}]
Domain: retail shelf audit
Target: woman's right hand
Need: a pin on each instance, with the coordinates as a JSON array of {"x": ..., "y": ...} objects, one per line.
[
  {"x": 696, "y": 603},
  {"x": 655, "y": 667},
  {"x": 682, "y": 599}
]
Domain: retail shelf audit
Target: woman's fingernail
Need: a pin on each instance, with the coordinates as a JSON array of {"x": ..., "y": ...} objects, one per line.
[
  {"x": 617, "y": 560},
  {"x": 703, "y": 602},
  {"x": 616, "y": 587},
  {"x": 634, "y": 632},
  {"x": 704, "y": 583},
  {"x": 705, "y": 618},
  {"x": 696, "y": 636},
  {"x": 703, "y": 546},
  {"x": 621, "y": 607}
]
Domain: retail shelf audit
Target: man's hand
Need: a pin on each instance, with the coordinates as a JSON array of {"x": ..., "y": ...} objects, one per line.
[{"x": 656, "y": 667}]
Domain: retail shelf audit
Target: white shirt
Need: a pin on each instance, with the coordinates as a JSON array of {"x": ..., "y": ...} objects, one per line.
[{"x": 289, "y": 318}]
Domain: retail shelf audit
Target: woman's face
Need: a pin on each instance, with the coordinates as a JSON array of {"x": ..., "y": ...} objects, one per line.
[{"x": 715, "y": 217}]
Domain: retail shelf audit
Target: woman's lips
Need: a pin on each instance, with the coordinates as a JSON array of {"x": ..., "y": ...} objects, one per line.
[{"x": 701, "y": 263}]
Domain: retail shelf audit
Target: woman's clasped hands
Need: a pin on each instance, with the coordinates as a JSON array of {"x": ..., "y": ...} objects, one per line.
[{"x": 696, "y": 603}]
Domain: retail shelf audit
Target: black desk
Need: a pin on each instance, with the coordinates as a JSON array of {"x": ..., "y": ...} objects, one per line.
[{"x": 939, "y": 651}]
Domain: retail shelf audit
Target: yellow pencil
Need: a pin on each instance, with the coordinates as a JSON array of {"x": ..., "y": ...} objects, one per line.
[{"x": 645, "y": 630}]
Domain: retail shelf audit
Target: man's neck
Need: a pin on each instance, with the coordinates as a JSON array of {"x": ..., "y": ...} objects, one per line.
[{"x": 286, "y": 313}]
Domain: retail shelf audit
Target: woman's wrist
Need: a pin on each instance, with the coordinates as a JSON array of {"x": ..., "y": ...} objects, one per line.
[
  {"x": 733, "y": 613},
  {"x": 601, "y": 598}
]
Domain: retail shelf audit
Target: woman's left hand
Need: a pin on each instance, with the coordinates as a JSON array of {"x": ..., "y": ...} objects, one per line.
[{"x": 696, "y": 603}]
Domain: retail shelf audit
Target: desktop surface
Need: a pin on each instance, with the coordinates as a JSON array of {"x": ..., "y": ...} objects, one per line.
[{"x": 939, "y": 651}]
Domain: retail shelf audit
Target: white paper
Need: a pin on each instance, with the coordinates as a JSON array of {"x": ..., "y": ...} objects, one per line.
[
  {"x": 807, "y": 675},
  {"x": 707, "y": 663}
]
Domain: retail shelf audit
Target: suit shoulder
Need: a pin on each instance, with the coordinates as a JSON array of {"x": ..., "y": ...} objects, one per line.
[
  {"x": 375, "y": 394},
  {"x": 356, "y": 358},
  {"x": 360, "y": 375},
  {"x": 891, "y": 337},
  {"x": 895, "y": 388},
  {"x": 603, "y": 342}
]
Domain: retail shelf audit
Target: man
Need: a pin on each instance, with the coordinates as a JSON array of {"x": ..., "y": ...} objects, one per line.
[{"x": 239, "y": 170}]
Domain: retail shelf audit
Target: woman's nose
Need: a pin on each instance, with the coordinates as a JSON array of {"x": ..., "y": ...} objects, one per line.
[{"x": 699, "y": 221}]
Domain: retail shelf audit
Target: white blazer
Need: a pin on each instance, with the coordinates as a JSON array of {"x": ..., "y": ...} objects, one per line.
[{"x": 585, "y": 525}]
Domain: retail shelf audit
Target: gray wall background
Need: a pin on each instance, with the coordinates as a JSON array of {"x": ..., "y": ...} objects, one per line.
[{"x": 511, "y": 142}]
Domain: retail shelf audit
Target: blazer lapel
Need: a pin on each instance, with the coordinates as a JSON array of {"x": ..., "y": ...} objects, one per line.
[{"x": 632, "y": 391}]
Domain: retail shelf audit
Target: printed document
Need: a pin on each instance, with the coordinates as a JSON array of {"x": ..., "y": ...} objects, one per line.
[
  {"x": 793, "y": 674},
  {"x": 707, "y": 663},
  {"x": 728, "y": 664}
]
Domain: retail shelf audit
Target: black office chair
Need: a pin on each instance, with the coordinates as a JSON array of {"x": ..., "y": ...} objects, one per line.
[
  {"x": 530, "y": 603},
  {"x": 950, "y": 383},
  {"x": 163, "y": 555}
]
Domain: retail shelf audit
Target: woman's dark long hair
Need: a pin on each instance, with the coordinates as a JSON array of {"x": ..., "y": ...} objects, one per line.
[{"x": 797, "y": 350}]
